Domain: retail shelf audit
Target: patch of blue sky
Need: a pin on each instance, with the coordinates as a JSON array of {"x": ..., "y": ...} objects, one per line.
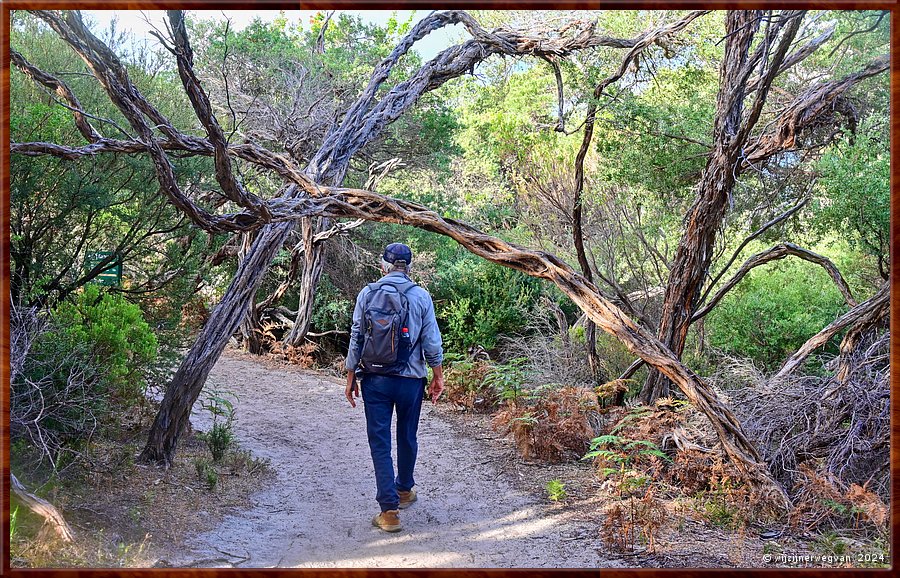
[{"x": 138, "y": 24}]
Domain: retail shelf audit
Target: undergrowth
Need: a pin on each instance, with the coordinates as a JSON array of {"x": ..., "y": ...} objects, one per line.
[{"x": 550, "y": 423}]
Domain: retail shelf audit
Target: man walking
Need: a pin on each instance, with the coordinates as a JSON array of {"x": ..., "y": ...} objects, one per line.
[{"x": 393, "y": 336}]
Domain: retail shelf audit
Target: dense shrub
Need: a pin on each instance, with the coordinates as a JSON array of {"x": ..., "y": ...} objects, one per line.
[
  {"x": 855, "y": 177},
  {"x": 77, "y": 368},
  {"x": 773, "y": 311},
  {"x": 113, "y": 332},
  {"x": 477, "y": 300}
]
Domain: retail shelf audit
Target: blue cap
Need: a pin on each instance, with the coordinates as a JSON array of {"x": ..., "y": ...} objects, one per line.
[{"x": 397, "y": 252}]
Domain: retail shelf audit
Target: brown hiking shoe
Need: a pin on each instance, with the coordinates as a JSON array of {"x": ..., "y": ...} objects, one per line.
[
  {"x": 388, "y": 521},
  {"x": 407, "y": 498}
]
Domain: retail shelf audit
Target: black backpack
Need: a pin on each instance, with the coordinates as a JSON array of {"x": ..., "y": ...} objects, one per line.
[{"x": 386, "y": 344}]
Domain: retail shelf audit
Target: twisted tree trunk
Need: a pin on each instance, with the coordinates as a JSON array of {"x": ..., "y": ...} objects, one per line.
[
  {"x": 249, "y": 328},
  {"x": 354, "y": 203},
  {"x": 734, "y": 152},
  {"x": 174, "y": 411},
  {"x": 643, "y": 42},
  {"x": 694, "y": 252},
  {"x": 313, "y": 264},
  {"x": 363, "y": 121}
]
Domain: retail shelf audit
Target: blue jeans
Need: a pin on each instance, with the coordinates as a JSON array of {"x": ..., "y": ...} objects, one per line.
[{"x": 381, "y": 393}]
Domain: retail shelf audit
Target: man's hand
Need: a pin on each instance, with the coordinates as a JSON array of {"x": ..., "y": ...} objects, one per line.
[
  {"x": 437, "y": 383},
  {"x": 352, "y": 389}
]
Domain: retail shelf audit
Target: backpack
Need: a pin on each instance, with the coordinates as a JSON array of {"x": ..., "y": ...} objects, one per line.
[{"x": 385, "y": 334}]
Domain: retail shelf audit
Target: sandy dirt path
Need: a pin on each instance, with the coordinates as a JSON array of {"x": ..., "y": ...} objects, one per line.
[{"x": 317, "y": 512}]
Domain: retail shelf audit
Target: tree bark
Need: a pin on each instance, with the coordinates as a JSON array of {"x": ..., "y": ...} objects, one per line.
[
  {"x": 298, "y": 253},
  {"x": 590, "y": 329},
  {"x": 42, "y": 508},
  {"x": 695, "y": 250},
  {"x": 851, "y": 341},
  {"x": 307, "y": 198},
  {"x": 313, "y": 264},
  {"x": 174, "y": 411},
  {"x": 249, "y": 327},
  {"x": 363, "y": 122}
]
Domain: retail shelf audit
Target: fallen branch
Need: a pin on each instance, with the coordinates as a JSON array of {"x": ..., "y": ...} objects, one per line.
[{"x": 42, "y": 508}]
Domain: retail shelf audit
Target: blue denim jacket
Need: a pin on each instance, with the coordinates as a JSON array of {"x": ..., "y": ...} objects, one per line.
[{"x": 423, "y": 331}]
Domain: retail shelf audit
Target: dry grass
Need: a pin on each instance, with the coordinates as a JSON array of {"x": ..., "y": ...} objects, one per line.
[
  {"x": 634, "y": 521},
  {"x": 823, "y": 503},
  {"x": 301, "y": 355},
  {"x": 126, "y": 514}
]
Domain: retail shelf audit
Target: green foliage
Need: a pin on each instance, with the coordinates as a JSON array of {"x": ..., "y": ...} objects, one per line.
[
  {"x": 220, "y": 438},
  {"x": 85, "y": 369},
  {"x": 508, "y": 378},
  {"x": 635, "y": 413},
  {"x": 206, "y": 473},
  {"x": 476, "y": 301},
  {"x": 331, "y": 310},
  {"x": 773, "y": 311},
  {"x": 620, "y": 450},
  {"x": 625, "y": 460},
  {"x": 556, "y": 490},
  {"x": 635, "y": 140},
  {"x": 830, "y": 544},
  {"x": 837, "y": 507},
  {"x": 212, "y": 478},
  {"x": 855, "y": 178},
  {"x": 13, "y": 523},
  {"x": 481, "y": 385},
  {"x": 60, "y": 210},
  {"x": 499, "y": 121},
  {"x": 721, "y": 514},
  {"x": 112, "y": 332}
]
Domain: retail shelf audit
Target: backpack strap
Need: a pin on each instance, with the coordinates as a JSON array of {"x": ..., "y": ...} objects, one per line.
[
  {"x": 384, "y": 281},
  {"x": 380, "y": 283}
]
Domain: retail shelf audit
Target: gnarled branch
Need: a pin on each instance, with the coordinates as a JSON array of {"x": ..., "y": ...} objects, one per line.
[
  {"x": 42, "y": 508},
  {"x": 865, "y": 312},
  {"x": 779, "y": 251},
  {"x": 184, "y": 56}
]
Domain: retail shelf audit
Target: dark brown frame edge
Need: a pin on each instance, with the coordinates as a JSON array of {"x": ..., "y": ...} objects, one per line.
[{"x": 8, "y": 5}]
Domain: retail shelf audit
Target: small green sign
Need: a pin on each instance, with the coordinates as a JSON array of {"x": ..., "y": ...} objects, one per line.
[{"x": 112, "y": 275}]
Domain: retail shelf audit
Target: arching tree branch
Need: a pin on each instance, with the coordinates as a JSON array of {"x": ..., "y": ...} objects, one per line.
[
  {"x": 766, "y": 226},
  {"x": 775, "y": 253},
  {"x": 62, "y": 90},
  {"x": 225, "y": 176},
  {"x": 866, "y": 312}
]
